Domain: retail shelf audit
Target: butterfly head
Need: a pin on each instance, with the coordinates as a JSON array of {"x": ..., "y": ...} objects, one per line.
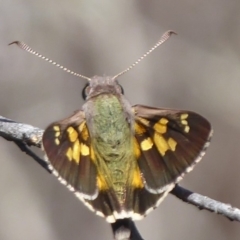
[{"x": 101, "y": 85}]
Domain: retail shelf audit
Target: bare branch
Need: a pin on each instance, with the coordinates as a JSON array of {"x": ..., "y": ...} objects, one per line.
[
  {"x": 203, "y": 202},
  {"x": 13, "y": 131},
  {"x": 24, "y": 135}
]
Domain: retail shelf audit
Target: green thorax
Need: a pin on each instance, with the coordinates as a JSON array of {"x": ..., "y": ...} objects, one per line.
[{"x": 112, "y": 141}]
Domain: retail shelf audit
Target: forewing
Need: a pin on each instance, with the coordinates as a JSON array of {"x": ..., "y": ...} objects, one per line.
[
  {"x": 170, "y": 143},
  {"x": 68, "y": 149}
]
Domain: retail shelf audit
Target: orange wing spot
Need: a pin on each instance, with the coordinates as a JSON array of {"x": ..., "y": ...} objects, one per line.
[
  {"x": 76, "y": 151},
  {"x": 161, "y": 143},
  {"x": 72, "y": 134},
  {"x": 137, "y": 179}
]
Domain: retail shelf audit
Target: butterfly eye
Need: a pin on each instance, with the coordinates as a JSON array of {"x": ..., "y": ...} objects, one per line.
[
  {"x": 120, "y": 88},
  {"x": 85, "y": 91}
]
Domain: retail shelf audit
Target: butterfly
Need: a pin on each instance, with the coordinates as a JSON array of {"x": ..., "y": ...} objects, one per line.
[{"x": 120, "y": 160}]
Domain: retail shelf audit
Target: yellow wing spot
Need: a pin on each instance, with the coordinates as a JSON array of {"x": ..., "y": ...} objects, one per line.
[
  {"x": 187, "y": 129},
  {"x": 136, "y": 148},
  {"x": 137, "y": 179},
  {"x": 139, "y": 129},
  {"x": 80, "y": 128},
  {"x": 57, "y": 142},
  {"x": 184, "y": 116},
  {"x": 56, "y": 128},
  {"x": 184, "y": 122},
  {"x": 83, "y": 130},
  {"x": 161, "y": 143},
  {"x": 72, "y": 134},
  {"x": 76, "y": 151},
  {"x": 163, "y": 121},
  {"x": 160, "y": 128},
  {"x": 172, "y": 144},
  {"x": 144, "y": 121},
  {"x": 69, "y": 154},
  {"x": 146, "y": 144},
  {"x": 92, "y": 155},
  {"x": 84, "y": 149},
  {"x": 57, "y": 134},
  {"x": 101, "y": 183}
]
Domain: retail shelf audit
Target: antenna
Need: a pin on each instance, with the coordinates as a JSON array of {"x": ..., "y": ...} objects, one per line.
[
  {"x": 164, "y": 37},
  {"x": 25, "y": 47}
]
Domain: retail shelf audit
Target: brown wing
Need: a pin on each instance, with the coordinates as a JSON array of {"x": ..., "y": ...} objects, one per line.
[
  {"x": 170, "y": 143},
  {"x": 67, "y": 146}
]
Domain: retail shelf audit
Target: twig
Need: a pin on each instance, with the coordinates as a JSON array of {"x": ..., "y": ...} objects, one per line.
[
  {"x": 24, "y": 148},
  {"x": 25, "y": 135},
  {"x": 203, "y": 202},
  {"x": 13, "y": 131}
]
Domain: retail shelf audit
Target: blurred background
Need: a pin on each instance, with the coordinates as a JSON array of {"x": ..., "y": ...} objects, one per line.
[{"x": 198, "y": 70}]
